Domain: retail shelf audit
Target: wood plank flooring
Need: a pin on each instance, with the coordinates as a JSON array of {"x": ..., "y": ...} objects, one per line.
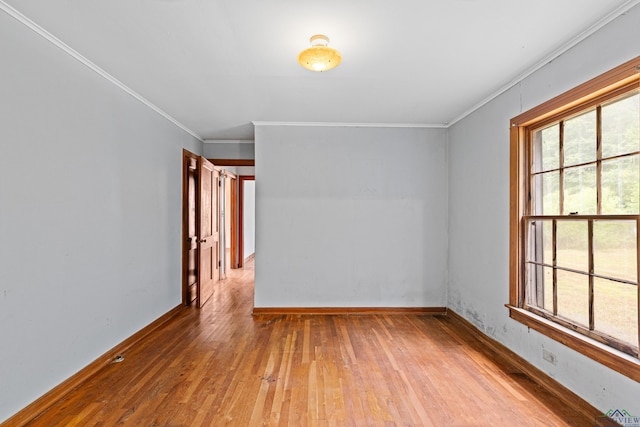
[{"x": 222, "y": 366}]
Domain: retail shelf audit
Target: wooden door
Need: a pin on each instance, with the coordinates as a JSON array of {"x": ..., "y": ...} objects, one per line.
[
  {"x": 209, "y": 243},
  {"x": 189, "y": 227}
]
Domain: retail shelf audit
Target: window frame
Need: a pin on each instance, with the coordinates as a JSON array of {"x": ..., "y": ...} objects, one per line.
[{"x": 606, "y": 86}]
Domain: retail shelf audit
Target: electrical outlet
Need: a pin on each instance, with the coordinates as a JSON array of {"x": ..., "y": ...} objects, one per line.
[{"x": 549, "y": 357}]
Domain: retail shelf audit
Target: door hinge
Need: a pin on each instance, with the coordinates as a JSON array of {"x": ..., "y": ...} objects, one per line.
[
  {"x": 219, "y": 263},
  {"x": 219, "y": 183}
]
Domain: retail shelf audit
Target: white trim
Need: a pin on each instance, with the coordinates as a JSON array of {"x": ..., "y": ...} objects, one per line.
[
  {"x": 76, "y": 55},
  {"x": 352, "y": 125},
  {"x": 553, "y": 55}
]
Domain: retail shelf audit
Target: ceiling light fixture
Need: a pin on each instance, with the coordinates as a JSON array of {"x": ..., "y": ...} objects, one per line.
[{"x": 319, "y": 57}]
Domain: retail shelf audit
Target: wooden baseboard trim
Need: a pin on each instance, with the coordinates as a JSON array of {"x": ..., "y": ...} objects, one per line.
[
  {"x": 350, "y": 310},
  {"x": 250, "y": 258},
  {"x": 566, "y": 396},
  {"x": 54, "y": 395}
]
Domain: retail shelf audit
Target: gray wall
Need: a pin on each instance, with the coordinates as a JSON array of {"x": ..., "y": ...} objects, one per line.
[
  {"x": 240, "y": 170},
  {"x": 350, "y": 217},
  {"x": 479, "y": 214},
  {"x": 90, "y": 196},
  {"x": 228, "y": 149}
]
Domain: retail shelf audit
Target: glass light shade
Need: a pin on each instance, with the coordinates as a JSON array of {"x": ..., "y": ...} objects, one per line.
[{"x": 319, "y": 57}]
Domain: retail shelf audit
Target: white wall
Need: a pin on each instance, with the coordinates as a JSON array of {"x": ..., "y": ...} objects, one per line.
[
  {"x": 479, "y": 214},
  {"x": 350, "y": 217},
  {"x": 248, "y": 218},
  {"x": 90, "y": 196}
]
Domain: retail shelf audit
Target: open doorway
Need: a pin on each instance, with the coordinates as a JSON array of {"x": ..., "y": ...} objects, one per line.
[
  {"x": 229, "y": 222},
  {"x": 215, "y": 242},
  {"x": 247, "y": 218},
  {"x": 237, "y": 208}
]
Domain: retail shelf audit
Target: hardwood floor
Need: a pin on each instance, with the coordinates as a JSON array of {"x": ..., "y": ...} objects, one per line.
[{"x": 223, "y": 366}]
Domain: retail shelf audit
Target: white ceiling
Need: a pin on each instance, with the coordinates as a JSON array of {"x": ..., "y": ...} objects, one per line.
[{"x": 217, "y": 65}]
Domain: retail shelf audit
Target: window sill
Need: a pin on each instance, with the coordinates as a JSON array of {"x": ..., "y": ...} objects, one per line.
[{"x": 623, "y": 363}]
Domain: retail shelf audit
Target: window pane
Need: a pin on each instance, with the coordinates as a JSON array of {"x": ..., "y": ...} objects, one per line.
[
  {"x": 615, "y": 309},
  {"x": 573, "y": 297},
  {"x": 580, "y": 194},
  {"x": 573, "y": 245},
  {"x": 539, "y": 279},
  {"x": 580, "y": 139},
  {"x": 540, "y": 287},
  {"x": 620, "y": 184},
  {"x": 621, "y": 126},
  {"x": 614, "y": 249},
  {"x": 547, "y": 233},
  {"x": 546, "y": 148},
  {"x": 540, "y": 242},
  {"x": 546, "y": 193}
]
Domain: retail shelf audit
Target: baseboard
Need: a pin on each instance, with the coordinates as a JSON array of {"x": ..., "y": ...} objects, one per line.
[
  {"x": 249, "y": 258},
  {"x": 563, "y": 394},
  {"x": 45, "y": 401},
  {"x": 349, "y": 310}
]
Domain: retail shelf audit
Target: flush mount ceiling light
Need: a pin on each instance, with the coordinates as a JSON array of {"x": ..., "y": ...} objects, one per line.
[{"x": 319, "y": 57}]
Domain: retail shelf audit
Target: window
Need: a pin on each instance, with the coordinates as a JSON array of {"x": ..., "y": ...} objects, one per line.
[{"x": 575, "y": 214}]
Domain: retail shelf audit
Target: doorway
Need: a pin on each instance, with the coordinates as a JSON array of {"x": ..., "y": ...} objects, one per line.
[
  {"x": 229, "y": 221},
  {"x": 213, "y": 241},
  {"x": 246, "y": 235}
]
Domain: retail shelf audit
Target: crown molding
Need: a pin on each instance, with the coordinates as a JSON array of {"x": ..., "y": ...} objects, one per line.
[
  {"x": 352, "y": 125},
  {"x": 621, "y": 10},
  {"x": 18, "y": 16}
]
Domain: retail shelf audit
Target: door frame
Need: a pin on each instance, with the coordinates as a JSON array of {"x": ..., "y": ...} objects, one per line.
[{"x": 241, "y": 181}]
